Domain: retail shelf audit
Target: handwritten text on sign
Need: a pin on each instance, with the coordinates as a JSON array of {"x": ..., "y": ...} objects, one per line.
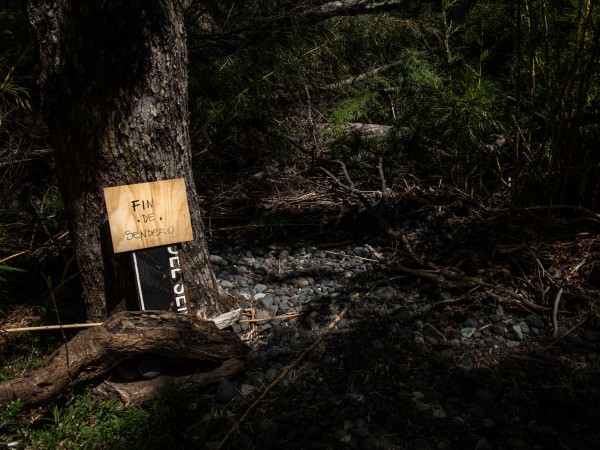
[{"x": 148, "y": 215}]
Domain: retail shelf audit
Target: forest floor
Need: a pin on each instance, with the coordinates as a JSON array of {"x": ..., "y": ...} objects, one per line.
[
  {"x": 472, "y": 327},
  {"x": 478, "y": 328}
]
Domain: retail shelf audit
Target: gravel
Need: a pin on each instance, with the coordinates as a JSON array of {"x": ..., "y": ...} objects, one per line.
[{"x": 398, "y": 371}]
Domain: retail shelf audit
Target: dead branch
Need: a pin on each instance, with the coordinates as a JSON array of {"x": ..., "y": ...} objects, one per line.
[
  {"x": 360, "y": 77},
  {"x": 92, "y": 352},
  {"x": 443, "y": 276},
  {"x": 139, "y": 392}
]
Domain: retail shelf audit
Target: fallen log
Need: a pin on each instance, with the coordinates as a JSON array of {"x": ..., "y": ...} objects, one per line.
[{"x": 95, "y": 351}]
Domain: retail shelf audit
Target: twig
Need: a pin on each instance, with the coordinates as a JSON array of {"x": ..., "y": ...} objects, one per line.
[
  {"x": 236, "y": 426},
  {"x": 567, "y": 333},
  {"x": 381, "y": 176},
  {"x": 555, "y": 313},
  {"x": 51, "y": 327},
  {"x": 8, "y": 258},
  {"x": 285, "y": 316}
]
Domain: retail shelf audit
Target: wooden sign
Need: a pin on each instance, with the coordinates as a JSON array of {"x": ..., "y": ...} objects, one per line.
[
  {"x": 148, "y": 215},
  {"x": 159, "y": 279}
]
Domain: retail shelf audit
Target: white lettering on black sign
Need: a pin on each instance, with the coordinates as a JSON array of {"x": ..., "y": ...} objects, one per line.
[{"x": 159, "y": 279}]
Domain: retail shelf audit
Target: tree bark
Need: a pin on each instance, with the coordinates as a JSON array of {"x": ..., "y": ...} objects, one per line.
[
  {"x": 96, "y": 350},
  {"x": 114, "y": 91}
]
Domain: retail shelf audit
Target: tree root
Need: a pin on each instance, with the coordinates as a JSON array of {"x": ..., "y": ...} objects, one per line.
[{"x": 93, "y": 352}]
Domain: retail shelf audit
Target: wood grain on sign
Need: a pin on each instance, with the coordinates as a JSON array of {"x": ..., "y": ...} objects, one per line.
[{"x": 148, "y": 215}]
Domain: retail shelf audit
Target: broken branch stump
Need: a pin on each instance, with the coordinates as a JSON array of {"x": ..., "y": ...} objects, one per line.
[{"x": 93, "y": 352}]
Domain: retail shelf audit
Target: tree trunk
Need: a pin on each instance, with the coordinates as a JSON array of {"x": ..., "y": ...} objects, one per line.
[{"x": 114, "y": 91}]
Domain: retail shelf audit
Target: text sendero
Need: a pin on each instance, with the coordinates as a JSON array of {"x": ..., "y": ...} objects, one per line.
[{"x": 148, "y": 233}]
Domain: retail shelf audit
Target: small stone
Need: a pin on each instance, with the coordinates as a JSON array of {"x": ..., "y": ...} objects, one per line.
[
  {"x": 467, "y": 332},
  {"x": 226, "y": 284},
  {"x": 418, "y": 338},
  {"x": 421, "y": 406},
  {"x": 259, "y": 296},
  {"x": 242, "y": 270},
  {"x": 386, "y": 293},
  {"x": 219, "y": 261},
  {"x": 445, "y": 295},
  {"x": 152, "y": 366},
  {"x": 267, "y": 301},
  {"x": 439, "y": 413},
  {"x": 362, "y": 251},
  {"x": 487, "y": 423},
  {"x": 518, "y": 333},
  {"x": 225, "y": 391},
  {"x": 471, "y": 322},
  {"x": 270, "y": 375},
  {"x": 405, "y": 334},
  {"x": 260, "y": 288},
  {"x": 404, "y": 316},
  {"x": 466, "y": 364},
  {"x": 246, "y": 389},
  {"x": 512, "y": 344},
  {"x": 262, "y": 314},
  {"x": 535, "y": 321},
  {"x": 300, "y": 282}
]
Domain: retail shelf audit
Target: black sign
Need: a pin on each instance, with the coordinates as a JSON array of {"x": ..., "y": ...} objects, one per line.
[{"x": 158, "y": 279}]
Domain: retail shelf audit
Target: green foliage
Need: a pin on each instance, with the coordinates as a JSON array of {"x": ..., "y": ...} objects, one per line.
[
  {"x": 84, "y": 423},
  {"x": 49, "y": 208},
  {"x": 27, "y": 355},
  {"x": 15, "y": 39}
]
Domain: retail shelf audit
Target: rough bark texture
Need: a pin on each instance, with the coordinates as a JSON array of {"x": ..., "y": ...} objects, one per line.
[
  {"x": 140, "y": 392},
  {"x": 96, "y": 350},
  {"x": 114, "y": 88}
]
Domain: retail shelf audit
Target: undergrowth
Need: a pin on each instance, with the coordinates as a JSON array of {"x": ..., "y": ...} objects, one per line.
[{"x": 82, "y": 422}]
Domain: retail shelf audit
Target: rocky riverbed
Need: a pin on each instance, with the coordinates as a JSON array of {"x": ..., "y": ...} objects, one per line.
[{"x": 409, "y": 366}]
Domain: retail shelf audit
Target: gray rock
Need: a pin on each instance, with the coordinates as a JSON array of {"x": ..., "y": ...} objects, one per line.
[
  {"x": 242, "y": 270},
  {"x": 445, "y": 295},
  {"x": 362, "y": 251},
  {"x": 227, "y": 284},
  {"x": 152, "y": 366},
  {"x": 267, "y": 301},
  {"x": 471, "y": 322},
  {"x": 225, "y": 391},
  {"x": 300, "y": 282},
  {"x": 386, "y": 293},
  {"x": 467, "y": 332},
  {"x": 260, "y": 288},
  {"x": 466, "y": 363},
  {"x": 534, "y": 321},
  {"x": 518, "y": 333},
  {"x": 262, "y": 314},
  {"x": 271, "y": 374},
  {"x": 219, "y": 261}
]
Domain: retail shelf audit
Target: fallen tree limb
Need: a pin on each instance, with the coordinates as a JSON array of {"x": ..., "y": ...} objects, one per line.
[
  {"x": 93, "y": 352},
  {"x": 138, "y": 392}
]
